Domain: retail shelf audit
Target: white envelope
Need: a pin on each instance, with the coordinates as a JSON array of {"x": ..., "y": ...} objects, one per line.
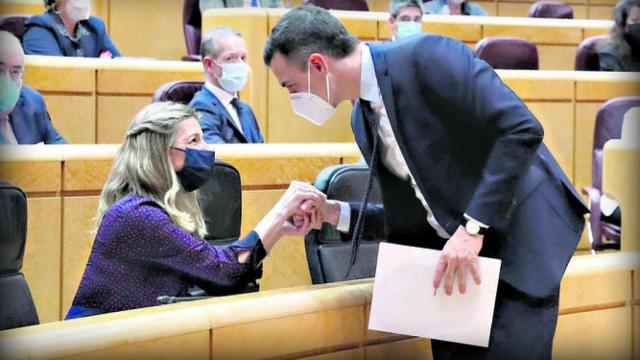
[{"x": 404, "y": 303}]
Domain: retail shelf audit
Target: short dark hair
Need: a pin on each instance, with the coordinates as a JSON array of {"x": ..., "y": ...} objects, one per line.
[{"x": 306, "y": 30}]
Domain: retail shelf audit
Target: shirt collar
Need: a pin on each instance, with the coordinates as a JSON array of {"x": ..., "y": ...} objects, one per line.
[
  {"x": 369, "y": 89},
  {"x": 222, "y": 95}
]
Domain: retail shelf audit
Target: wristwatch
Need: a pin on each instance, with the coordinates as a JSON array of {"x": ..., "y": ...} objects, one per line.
[{"x": 473, "y": 228}]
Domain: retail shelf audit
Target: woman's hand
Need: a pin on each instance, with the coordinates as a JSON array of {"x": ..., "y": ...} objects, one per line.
[
  {"x": 287, "y": 216},
  {"x": 106, "y": 55}
]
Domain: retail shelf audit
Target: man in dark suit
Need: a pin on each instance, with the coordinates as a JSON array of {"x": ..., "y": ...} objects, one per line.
[
  {"x": 223, "y": 117},
  {"x": 460, "y": 161},
  {"x": 24, "y": 118}
]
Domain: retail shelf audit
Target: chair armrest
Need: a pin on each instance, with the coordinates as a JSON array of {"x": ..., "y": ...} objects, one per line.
[{"x": 192, "y": 58}]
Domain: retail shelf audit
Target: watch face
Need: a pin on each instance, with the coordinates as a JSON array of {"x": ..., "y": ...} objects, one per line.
[{"x": 472, "y": 228}]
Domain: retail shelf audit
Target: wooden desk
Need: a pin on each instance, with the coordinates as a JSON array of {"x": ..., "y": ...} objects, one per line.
[
  {"x": 598, "y": 296},
  {"x": 94, "y": 100},
  {"x": 124, "y": 87},
  {"x": 557, "y": 39},
  {"x": 582, "y": 9}
]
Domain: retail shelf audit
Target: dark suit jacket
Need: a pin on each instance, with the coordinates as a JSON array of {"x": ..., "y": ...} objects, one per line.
[
  {"x": 42, "y": 38},
  {"x": 217, "y": 125},
  {"x": 473, "y": 147},
  {"x": 30, "y": 120}
]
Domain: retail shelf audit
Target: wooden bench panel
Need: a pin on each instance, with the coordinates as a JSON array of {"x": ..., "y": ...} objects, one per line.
[
  {"x": 188, "y": 346},
  {"x": 33, "y": 176},
  {"x": 323, "y": 322},
  {"x": 557, "y": 122},
  {"x": 159, "y": 36},
  {"x": 586, "y": 333},
  {"x": 78, "y": 225},
  {"x": 74, "y": 116},
  {"x": 42, "y": 257},
  {"x": 620, "y": 157}
]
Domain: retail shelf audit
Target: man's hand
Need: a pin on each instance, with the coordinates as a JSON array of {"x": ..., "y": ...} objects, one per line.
[
  {"x": 328, "y": 211},
  {"x": 459, "y": 254}
]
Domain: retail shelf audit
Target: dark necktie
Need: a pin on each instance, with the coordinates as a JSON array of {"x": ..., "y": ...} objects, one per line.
[
  {"x": 245, "y": 121},
  {"x": 372, "y": 119}
]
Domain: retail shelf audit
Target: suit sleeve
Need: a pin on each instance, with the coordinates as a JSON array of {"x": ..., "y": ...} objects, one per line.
[
  {"x": 469, "y": 87},
  {"x": 373, "y": 218},
  {"x": 49, "y": 134},
  {"x": 211, "y": 127},
  {"x": 107, "y": 43},
  {"x": 40, "y": 41}
]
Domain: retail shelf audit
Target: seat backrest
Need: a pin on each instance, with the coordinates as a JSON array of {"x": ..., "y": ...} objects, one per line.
[
  {"x": 354, "y": 5},
  {"x": 502, "y": 52},
  {"x": 587, "y": 54},
  {"x": 178, "y": 91},
  {"x": 14, "y": 23},
  {"x": 550, "y": 9},
  {"x": 221, "y": 202},
  {"x": 328, "y": 251},
  {"x": 608, "y": 126},
  {"x": 16, "y": 305},
  {"x": 192, "y": 26}
]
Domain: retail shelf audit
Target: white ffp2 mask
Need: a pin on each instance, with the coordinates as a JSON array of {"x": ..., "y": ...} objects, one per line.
[
  {"x": 78, "y": 9},
  {"x": 311, "y": 106}
]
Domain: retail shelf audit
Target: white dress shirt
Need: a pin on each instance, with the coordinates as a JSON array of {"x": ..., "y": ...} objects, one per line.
[
  {"x": 391, "y": 156},
  {"x": 225, "y": 98}
]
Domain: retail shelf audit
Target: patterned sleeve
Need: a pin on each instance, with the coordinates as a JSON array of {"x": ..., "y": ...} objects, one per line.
[{"x": 166, "y": 246}]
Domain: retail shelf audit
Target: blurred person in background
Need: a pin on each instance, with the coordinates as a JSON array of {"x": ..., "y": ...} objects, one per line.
[
  {"x": 24, "y": 118},
  {"x": 67, "y": 29},
  {"x": 454, "y": 7},
  {"x": 405, "y": 18},
  {"x": 224, "y": 118},
  {"x": 621, "y": 51}
]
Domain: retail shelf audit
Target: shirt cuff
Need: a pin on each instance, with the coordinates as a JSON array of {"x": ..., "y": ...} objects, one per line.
[
  {"x": 345, "y": 217},
  {"x": 482, "y": 225}
]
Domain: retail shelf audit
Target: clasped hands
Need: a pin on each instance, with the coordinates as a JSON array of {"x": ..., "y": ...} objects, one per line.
[{"x": 305, "y": 208}]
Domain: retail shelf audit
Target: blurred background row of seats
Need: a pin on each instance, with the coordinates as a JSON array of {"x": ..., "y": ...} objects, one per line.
[{"x": 500, "y": 52}]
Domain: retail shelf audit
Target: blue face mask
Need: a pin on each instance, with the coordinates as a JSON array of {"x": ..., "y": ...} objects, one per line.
[
  {"x": 408, "y": 28},
  {"x": 9, "y": 94},
  {"x": 197, "y": 168}
]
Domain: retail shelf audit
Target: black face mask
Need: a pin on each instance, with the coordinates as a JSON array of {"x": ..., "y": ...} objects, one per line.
[
  {"x": 632, "y": 35},
  {"x": 197, "y": 168}
]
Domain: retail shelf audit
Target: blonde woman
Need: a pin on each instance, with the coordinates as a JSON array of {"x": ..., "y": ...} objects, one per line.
[{"x": 150, "y": 227}]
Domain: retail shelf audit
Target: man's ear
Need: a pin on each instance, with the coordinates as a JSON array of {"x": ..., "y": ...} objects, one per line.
[
  {"x": 392, "y": 21},
  {"x": 207, "y": 62},
  {"x": 318, "y": 62}
]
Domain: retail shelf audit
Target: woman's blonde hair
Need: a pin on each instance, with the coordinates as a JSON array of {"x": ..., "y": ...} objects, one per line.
[{"x": 142, "y": 167}]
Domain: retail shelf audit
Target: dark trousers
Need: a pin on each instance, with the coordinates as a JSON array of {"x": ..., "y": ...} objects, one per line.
[{"x": 522, "y": 328}]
